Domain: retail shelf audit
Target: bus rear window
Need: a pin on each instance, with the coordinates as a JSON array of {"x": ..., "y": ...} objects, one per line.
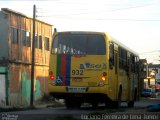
[{"x": 76, "y": 44}]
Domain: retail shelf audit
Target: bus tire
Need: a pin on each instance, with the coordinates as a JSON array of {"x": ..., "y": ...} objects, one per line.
[
  {"x": 131, "y": 104},
  {"x": 135, "y": 94},
  {"x": 68, "y": 104},
  {"x": 94, "y": 104},
  {"x": 118, "y": 103},
  {"x": 72, "y": 104},
  {"x": 109, "y": 104}
]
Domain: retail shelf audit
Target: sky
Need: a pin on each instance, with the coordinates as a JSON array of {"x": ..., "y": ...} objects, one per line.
[{"x": 135, "y": 23}]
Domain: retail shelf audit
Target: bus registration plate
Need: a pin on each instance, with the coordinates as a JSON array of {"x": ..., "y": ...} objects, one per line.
[{"x": 76, "y": 89}]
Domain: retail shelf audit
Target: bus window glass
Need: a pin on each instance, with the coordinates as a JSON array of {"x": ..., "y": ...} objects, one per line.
[
  {"x": 76, "y": 44},
  {"x": 122, "y": 58},
  {"x": 55, "y": 46},
  {"x": 136, "y": 64},
  {"x": 111, "y": 55},
  {"x": 133, "y": 63}
]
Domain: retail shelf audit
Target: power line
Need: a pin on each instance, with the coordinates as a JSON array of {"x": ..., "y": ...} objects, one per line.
[
  {"x": 108, "y": 19},
  {"x": 86, "y": 13},
  {"x": 68, "y": 16}
]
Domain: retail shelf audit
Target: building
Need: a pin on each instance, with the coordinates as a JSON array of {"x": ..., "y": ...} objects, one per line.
[
  {"x": 15, "y": 57},
  {"x": 150, "y": 74},
  {"x": 142, "y": 74},
  {"x": 154, "y": 74}
]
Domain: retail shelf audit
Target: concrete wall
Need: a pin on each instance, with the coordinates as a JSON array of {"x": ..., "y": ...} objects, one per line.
[{"x": 20, "y": 84}]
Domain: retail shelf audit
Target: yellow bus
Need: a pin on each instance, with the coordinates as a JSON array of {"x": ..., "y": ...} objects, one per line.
[{"x": 92, "y": 67}]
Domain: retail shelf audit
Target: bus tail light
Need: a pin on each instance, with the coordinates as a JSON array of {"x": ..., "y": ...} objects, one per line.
[
  {"x": 104, "y": 74},
  {"x": 103, "y": 79},
  {"x": 51, "y": 76}
]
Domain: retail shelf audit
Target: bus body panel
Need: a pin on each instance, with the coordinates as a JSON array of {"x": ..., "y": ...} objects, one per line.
[
  {"x": 92, "y": 74},
  {"x": 78, "y": 71}
]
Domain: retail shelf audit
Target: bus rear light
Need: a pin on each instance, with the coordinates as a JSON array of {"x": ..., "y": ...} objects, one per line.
[
  {"x": 51, "y": 75},
  {"x": 104, "y": 74},
  {"x": 103, "y": 78}
]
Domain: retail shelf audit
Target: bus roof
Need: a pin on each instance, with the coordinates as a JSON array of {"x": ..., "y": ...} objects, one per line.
[
  {"x": 102, "y": 33},
  {"x": 124, "y": 46}
]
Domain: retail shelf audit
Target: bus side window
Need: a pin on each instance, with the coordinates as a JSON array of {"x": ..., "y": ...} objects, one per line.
[
  {"x": 55, "y": 46},
  {"x": 133, "y": 64},
  {"x": 64, "y": 49},
  {"x": 111, "y": 55},
  {"x": 122, "y": 58},
  {"x": 137, "y": 65},
  {"x": 59, "y": 48},
  {"x": 68, "y": 50}
]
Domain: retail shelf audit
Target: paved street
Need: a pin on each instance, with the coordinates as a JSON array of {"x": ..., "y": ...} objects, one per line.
[{"x": 43, "y": 113}]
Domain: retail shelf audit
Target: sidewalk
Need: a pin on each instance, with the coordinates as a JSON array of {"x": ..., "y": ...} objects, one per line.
[
  {"x": 37, "y": 105},
  {"x": 46, "y": 104}
]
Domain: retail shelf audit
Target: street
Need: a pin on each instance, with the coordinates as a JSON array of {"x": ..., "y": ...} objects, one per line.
[{"x": 49, "y": 113}]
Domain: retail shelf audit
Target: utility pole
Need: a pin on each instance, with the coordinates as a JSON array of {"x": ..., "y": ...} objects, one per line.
[{"x": 33, "y": 54}]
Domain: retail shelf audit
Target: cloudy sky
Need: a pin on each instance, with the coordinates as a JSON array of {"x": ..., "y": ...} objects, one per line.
[{"x": 135, "y": 23}]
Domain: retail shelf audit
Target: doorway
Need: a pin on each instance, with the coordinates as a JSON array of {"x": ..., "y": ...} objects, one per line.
[{"x": 2, "y": 90}]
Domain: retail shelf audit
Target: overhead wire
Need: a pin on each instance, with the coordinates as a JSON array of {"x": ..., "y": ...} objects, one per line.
[
  {"x": 118, "y": 9},
  {"x": 70, "y": 16}
]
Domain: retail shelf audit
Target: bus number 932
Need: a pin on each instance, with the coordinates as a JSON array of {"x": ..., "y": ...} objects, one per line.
[{"x": 77, "y": 72}]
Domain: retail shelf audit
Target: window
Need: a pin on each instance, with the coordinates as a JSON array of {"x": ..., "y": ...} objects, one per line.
[
  {"x": 14, "y": 35},
  {"x": 38, "y": 41},
  {"x": 46, "y": 43},
  {"x": 77, "y": 43},
  {"x": 28, "y": 39},
  {"x": 23, "y": 37}
]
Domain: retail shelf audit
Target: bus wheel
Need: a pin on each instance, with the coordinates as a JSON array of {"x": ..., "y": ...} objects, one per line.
[
  {"x": 68, "y": 104},
  {"x": 131, "y": 104},
  {"x": 94, "y": 104},
  {"x": 72, "y": 104},
  {"x": 135, "y": 94},
  {"x": 108, "y": 104},
  {"x": 77, "y": 104},
  {"x": 117, "y": 104}
]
